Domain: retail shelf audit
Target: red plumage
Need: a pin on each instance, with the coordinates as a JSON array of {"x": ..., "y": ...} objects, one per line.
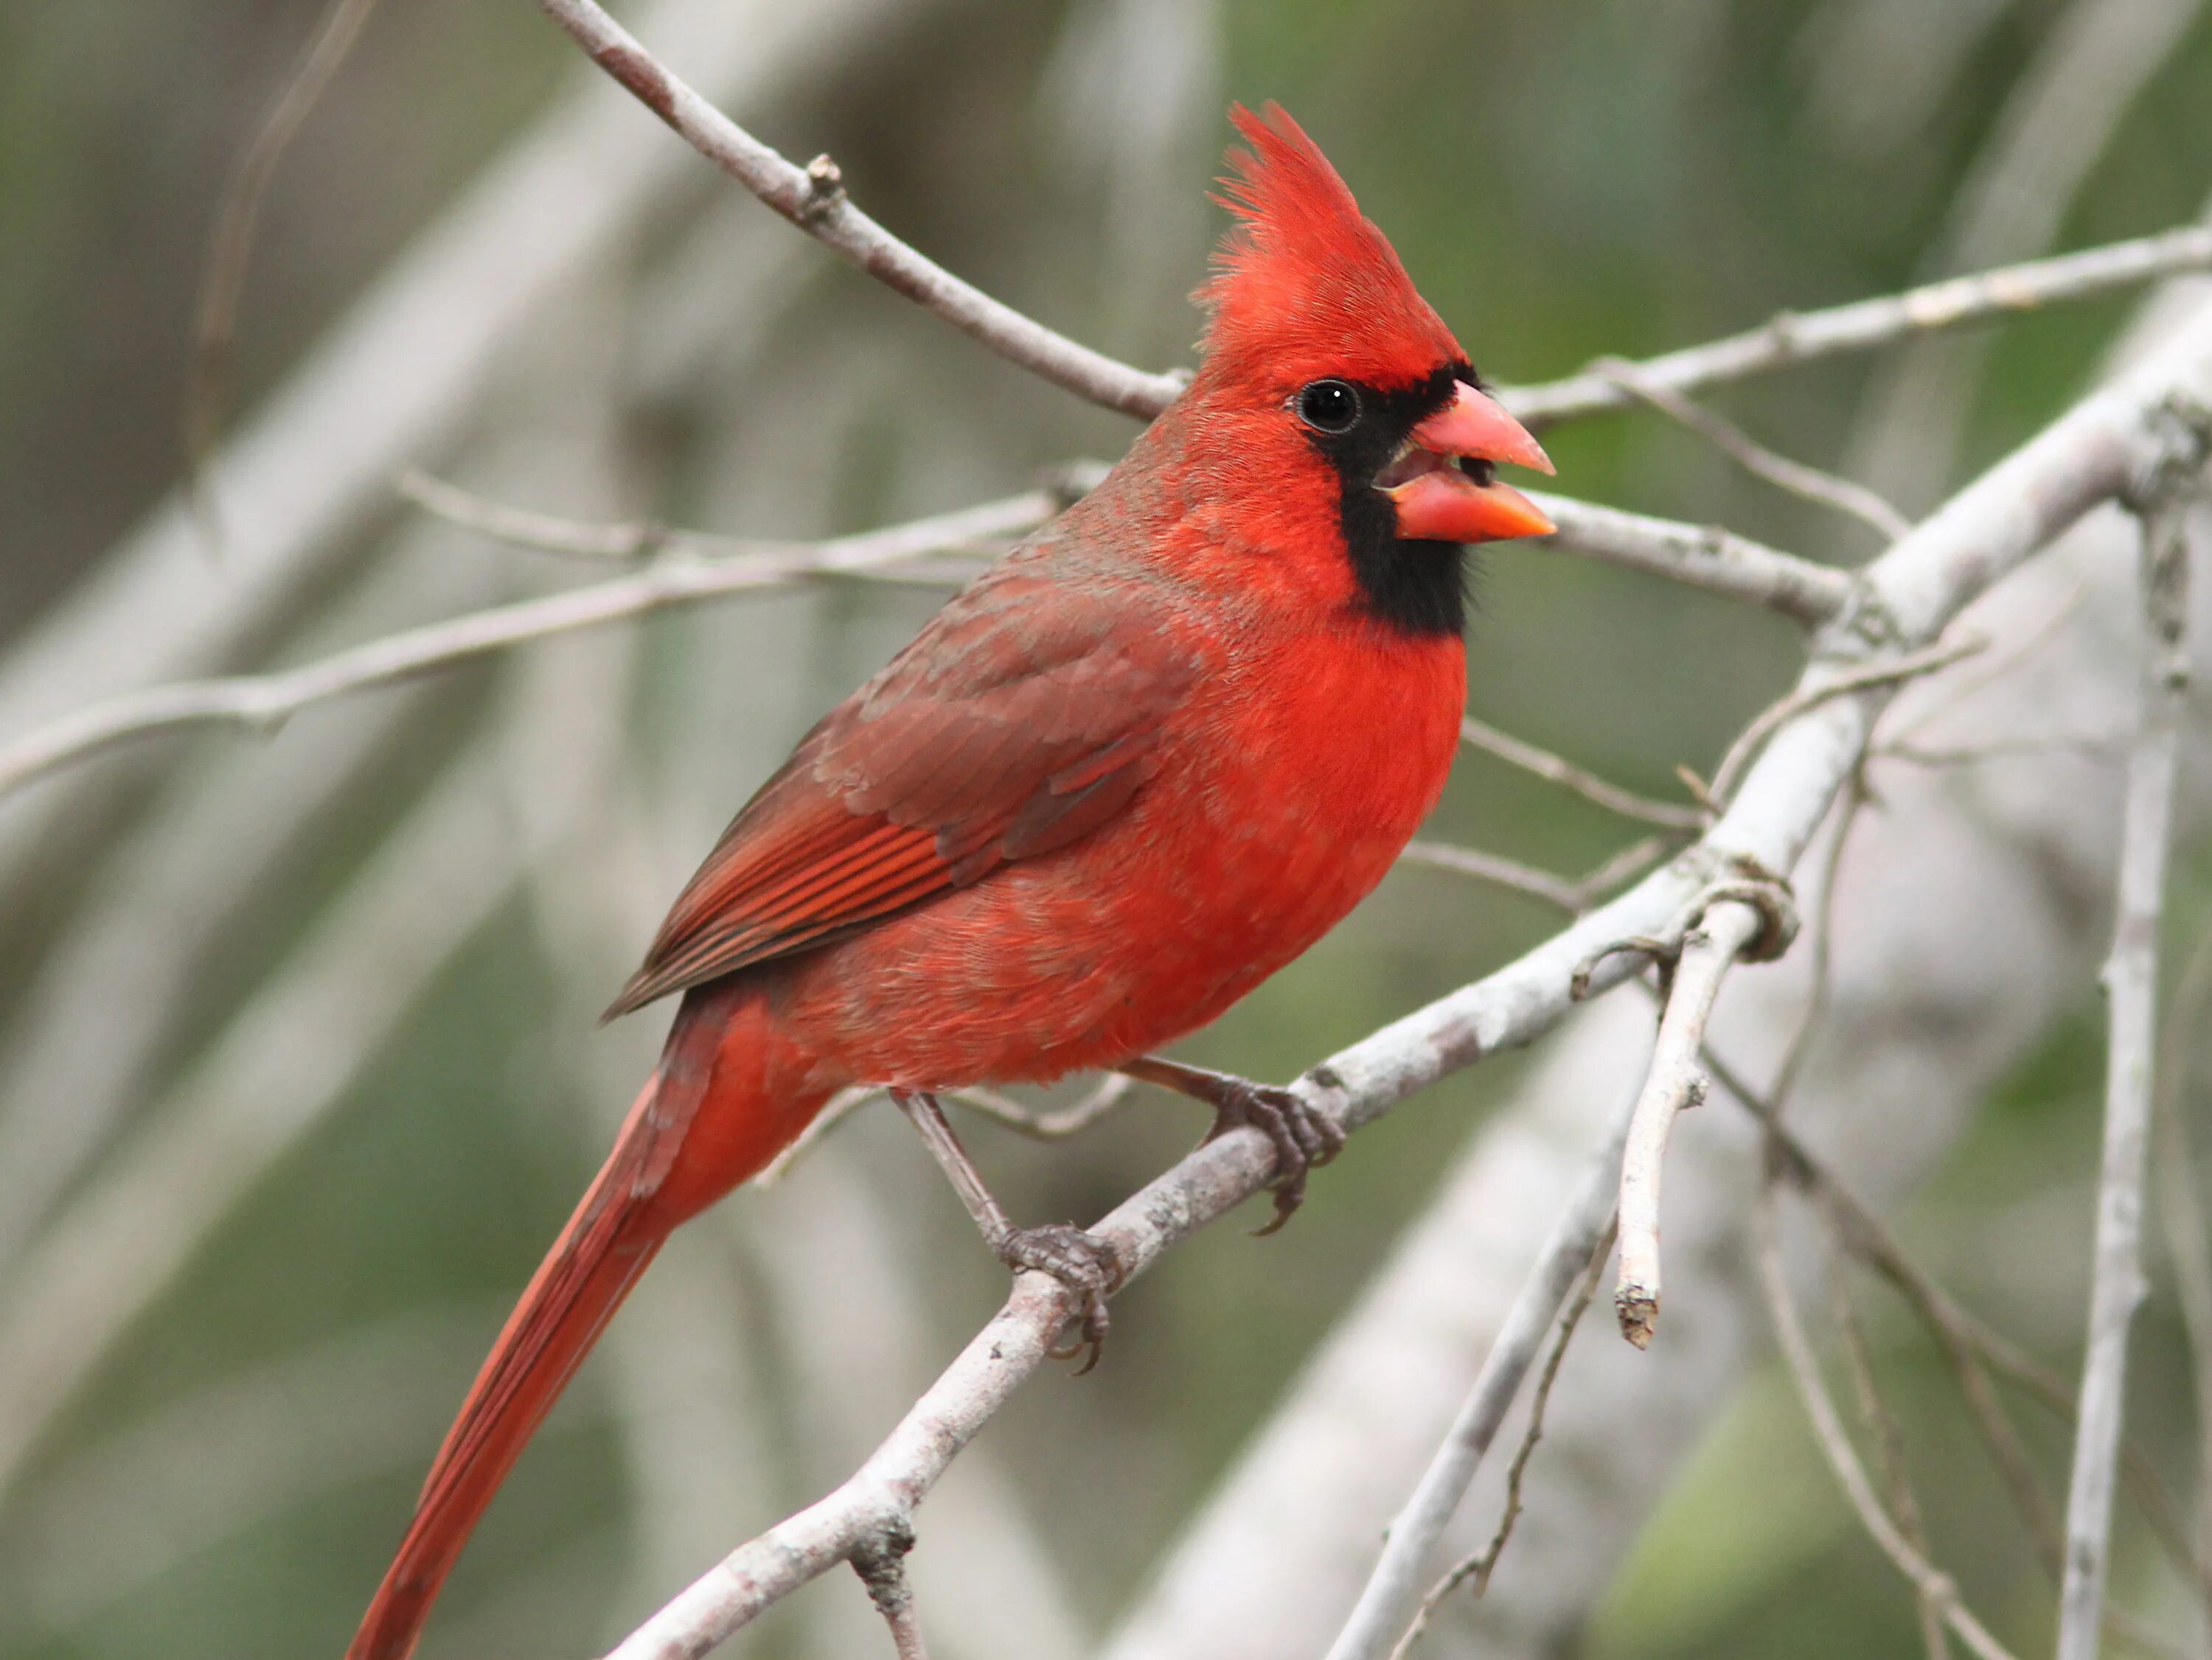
[{"x": 1145, "y": 761}]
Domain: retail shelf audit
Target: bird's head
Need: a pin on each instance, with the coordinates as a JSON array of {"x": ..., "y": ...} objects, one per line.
[{"x": 1320, "y": 350}]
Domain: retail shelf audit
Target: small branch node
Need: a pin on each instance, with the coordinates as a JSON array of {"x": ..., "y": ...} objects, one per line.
[
  {"x": 825, "y": 190},
  {"x": 880, "y": 1560}
]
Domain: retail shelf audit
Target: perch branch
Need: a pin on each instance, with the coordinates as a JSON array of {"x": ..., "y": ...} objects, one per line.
[{"x": 2151, "y": 420}]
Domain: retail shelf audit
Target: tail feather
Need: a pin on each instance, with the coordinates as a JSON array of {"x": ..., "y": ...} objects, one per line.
[
  {"x": 731, "y": 1092},
  {"x": 607, "y": 1244}
]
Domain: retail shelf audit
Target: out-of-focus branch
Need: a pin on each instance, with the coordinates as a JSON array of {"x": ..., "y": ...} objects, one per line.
[
  {"x": 2106, "y": 446},
  {"x": 2131, "y": 988},
  {"x": 813, "y": 198},
  {"x": 1809, "y": 483},
  {"x": 1793, "y": 337},
  {"x": 2181, "y": 1213},
  {"x": 223, "y": 279},
  {"x": 392, "y": 382},
  {"x": 1480, "y": 1567},
  {"x": 263, "y": 702},
  {"x": 1578, "y": 781},
  {"x": 1395, "y": 1584},
  {"x": 1889, "y": 1449},
  {"x": 1934, "y": 1586}
]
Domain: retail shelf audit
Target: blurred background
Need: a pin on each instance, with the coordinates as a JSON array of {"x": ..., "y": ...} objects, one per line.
[{"x": 299, "y": 1071}]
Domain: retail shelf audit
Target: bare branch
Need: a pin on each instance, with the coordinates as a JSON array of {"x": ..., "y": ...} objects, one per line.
[
  {"x": 1500, "y": 872},
  {"x": 223, "y": 279},
  {"x": 1572, "y": 897},
  {"x": 1889, "y": 1448},
  {"x": 1812, "y": 484},
  {"x": 1480, "y": 1567},
  {"x": 1934, "y": 1586},
  {"x": 2102, "y": 448},
  {"x": 1579, "y": 780},
  {"x": 1703, "y": 556},
  {"x": 264, "y": 702},
  {"x": 1817, "y": 690},
  {"x": 1793, "y": 337},
  {"x": 2131, "y": 985},
  {"x": 1414, "y": 1532},
  {"x": 1709, "y": 941},
  {"x": 813, "y": 198}
]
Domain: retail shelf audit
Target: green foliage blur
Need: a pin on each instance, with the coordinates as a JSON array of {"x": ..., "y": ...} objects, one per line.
[{"x": 1563, "y": 181}]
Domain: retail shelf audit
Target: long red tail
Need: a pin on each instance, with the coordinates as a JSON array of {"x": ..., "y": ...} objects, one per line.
[{"x": 658, "y": 1174}]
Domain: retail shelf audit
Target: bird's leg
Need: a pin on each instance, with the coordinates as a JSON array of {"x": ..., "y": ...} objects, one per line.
[
  {"x": 1303, "y": 1135},
  {"x": 1084, "y": 1263}
]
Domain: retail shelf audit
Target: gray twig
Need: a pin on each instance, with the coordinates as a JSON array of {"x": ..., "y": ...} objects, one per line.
[{"x": 1578, "y": 780}]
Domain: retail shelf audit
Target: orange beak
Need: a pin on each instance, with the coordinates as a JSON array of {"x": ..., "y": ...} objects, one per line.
[{"x": 1437, "y": 502}]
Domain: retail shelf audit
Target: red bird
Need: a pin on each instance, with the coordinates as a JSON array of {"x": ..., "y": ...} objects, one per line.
[{"x": 1129, "y": 772}]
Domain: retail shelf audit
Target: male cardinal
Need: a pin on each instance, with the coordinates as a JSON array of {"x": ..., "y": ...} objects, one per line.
[{"x": 1130, "y": 772}]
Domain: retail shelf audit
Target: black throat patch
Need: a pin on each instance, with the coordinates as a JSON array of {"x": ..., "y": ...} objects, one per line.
[{"x": 1415, "y": 587}]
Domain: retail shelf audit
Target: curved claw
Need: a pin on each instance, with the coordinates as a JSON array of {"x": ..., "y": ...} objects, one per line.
[
  {"x": 1302, "y": 1137},
  {"x": 1086, "y": 1264}
]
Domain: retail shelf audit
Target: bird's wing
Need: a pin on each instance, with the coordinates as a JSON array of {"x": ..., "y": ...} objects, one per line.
[{"x": 1026, "y": 715}]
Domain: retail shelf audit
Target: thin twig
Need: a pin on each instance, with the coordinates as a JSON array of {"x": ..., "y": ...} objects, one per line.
[
  {"x": 1933, "y": 1586},
  {"x": 1578, "y": 780},
  {"x": 1482, "y": 1564},
  {"x": 1809, "y": 483},
  {"x": 1793, "y": 337},
  {"x": 813, "y": 198},
  {"x": 1500, "y": 872},
  {"x": 1414, "y": 1534},
  {"x": 1889, "y": 1449},
  {"x": 2130, "y": 981},
  {"x": 1676, "y": 1079},
  {"x": 1104, "y": 1098},
  {"x": 1972, "y": 1349},
  {"x": 222, "y": 279},
  {"x": 1883, "y": 671}
]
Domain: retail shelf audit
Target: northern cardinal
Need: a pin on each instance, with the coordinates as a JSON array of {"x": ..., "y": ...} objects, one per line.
[{"x": 1136, "y": 767}]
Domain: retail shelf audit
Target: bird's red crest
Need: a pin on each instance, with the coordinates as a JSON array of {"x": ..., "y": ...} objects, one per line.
[{"x": 1303, "y": 285}]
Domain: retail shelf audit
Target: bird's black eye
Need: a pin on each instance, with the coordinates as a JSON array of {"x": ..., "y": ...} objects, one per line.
[{"x": 1329, "y": 406}]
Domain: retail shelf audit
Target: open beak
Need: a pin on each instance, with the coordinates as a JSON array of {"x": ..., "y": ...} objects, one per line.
[{"x": 1440, "y": 500}]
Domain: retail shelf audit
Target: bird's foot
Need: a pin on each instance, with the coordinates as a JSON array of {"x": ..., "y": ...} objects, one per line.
[
  {"x": 1304, "y": 1136},
  {"x": 1086, "y": 1264}
]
